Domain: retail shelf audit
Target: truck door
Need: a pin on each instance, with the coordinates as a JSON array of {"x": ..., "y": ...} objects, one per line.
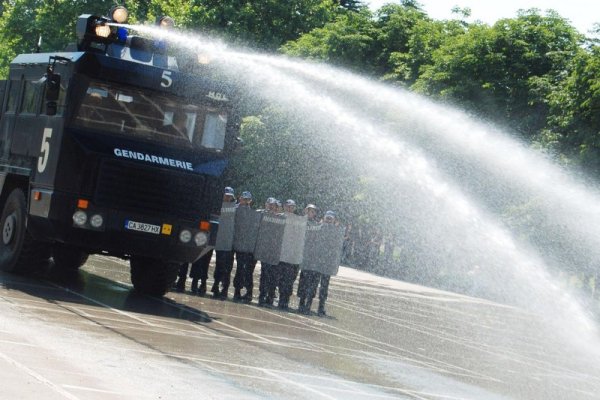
[{"x": 12, "y": 97}]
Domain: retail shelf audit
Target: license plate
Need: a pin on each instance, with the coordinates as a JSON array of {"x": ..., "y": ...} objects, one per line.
[{"x": 142, "y": 227}]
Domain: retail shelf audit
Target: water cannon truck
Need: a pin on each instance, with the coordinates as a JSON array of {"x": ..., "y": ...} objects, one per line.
[{"x": 109, "y": 148}]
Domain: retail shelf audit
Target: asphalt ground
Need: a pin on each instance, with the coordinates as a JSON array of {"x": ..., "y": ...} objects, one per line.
[{"x": 90, "y": 336}]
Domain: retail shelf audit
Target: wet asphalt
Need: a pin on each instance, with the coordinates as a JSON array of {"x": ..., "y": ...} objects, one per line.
[{"x": 88, "y": 335}]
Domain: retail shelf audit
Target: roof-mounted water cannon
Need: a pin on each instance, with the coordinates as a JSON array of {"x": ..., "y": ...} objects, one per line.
[
  {"x": 93, "y": 29},
  {"x": 110, "y": 36}
]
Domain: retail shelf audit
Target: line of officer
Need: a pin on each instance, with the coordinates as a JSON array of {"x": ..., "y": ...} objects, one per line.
[{"x": 282, "y": 275}]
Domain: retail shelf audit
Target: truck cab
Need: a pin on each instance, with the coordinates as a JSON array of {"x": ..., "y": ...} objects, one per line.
[{"x": 111, "y": 149}]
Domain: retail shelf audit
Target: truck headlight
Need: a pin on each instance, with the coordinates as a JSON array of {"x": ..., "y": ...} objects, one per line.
[
  {"x": 185, "y": 236},
  {"x": 201, "y": 238},
  {"x": 96, "y": 221},
  {"x": 80, "y": 218}
]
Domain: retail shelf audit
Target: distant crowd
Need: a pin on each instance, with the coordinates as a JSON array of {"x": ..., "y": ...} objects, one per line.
[{"x": 285, "y": 242}]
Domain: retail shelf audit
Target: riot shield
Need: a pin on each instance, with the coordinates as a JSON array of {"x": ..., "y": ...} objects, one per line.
[
  {"x": 293, "y": 238},
  {"x": 332, "y": 238},
  {"x": 312, "y": 248},
  {"x": 226, "y": 227},
  {"x": 323, "y": 249},
  {"x": 246, "y": 229},
  {"x": 270, "y": 238}
]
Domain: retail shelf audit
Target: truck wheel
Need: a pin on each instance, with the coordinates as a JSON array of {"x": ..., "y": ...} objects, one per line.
[
  {"x": 13, "y": 230},
  {"x": 152, "y": 277},
  {"x": 18, "y": 251},
  {"x": 68, "y": 258}
]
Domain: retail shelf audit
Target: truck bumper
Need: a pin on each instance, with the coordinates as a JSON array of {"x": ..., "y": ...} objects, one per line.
[{"x": 51, "y": 219}]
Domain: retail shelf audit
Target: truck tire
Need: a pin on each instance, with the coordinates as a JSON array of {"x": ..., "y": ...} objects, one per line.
[
  {"x": 68, "y": 258},
  {"x": 18, "y": 251},
  {"x": 152, "y": 277}
]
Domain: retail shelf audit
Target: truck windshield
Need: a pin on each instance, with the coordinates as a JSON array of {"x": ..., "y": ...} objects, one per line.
[{"x": 156, "y": 116}]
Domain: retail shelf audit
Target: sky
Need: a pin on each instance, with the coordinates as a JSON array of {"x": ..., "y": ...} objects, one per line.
[{"x": 582, "y": 13}]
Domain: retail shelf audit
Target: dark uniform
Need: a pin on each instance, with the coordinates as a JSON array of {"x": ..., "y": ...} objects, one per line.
[
  {"x": 181, "y": 277},
  {"x": 198, "y": 272}
]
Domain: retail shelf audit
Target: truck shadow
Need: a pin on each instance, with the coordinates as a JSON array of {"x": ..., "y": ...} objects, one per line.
[{"x": 86, "y": 288}]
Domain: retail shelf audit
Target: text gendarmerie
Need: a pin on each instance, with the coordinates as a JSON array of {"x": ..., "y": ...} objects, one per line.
[{"x": 136, "y": 155}]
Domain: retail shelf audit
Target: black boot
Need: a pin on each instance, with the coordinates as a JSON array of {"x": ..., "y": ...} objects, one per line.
[
  {"x": 180, "y": 285},
  {"x": 302, "y": 305},
  {"x": 247, "y": 298},
  {"x": 262, "y": 300},
  {"x": 194, "y": 285},
  {"x": 321, "y": 312},
  {"x": 202, "y": 289},
  {"x": 237, "y": 295},
  {"x": 307, "y": 306},
  {"x": 283, "y": 303},
  {"x": 269, "y": 301},
  {"x": 224, "y": 293}
]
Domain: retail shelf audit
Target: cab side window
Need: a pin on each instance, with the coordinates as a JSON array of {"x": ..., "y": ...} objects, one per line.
[
  {"x": 31, "y": 101},
  {"x": 214, "y": 131},
  {"x": 13, "y": 95}
]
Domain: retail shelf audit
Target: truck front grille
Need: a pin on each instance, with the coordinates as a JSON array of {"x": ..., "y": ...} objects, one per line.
[{"x": 145, "y": 189}]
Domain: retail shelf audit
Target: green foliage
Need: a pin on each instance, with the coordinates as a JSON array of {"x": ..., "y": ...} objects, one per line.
[
  {"x": 394, "y": 43},
  {"x": 24, "y": 21},
  {"x": 348, "y": 42},
  {"x": 574, "y": 124},
  {"x": 504, "y": 72},
  {"x": 352, "y": 5},
  {"x": 282, "y": 158},
  {"x": 262, "y": 23}
]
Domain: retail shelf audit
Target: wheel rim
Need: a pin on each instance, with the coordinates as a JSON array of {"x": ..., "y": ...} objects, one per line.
[{"x": 8, "y": 230}]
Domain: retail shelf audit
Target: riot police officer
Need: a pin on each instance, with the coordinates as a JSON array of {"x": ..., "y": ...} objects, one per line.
[
  {"x": 322, "y": 257},
  {"x": 329, "y": 219},
  {"x": 288, "y": 268},
  {"x": 268, "y": 247},
  {"x": 246, "y": 229},
  {"x": 309, "y": 279},
  {"x": 224, "y": 246}
]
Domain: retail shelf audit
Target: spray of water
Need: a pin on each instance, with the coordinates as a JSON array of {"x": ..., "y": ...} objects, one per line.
[{"x": 453, "y": 174}]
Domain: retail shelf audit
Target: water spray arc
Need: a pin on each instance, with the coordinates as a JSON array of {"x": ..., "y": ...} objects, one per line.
[{"x": 412, "y": 159}]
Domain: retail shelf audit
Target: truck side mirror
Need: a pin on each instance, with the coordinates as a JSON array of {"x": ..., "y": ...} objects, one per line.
[{"x": 52, "y": 93}]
